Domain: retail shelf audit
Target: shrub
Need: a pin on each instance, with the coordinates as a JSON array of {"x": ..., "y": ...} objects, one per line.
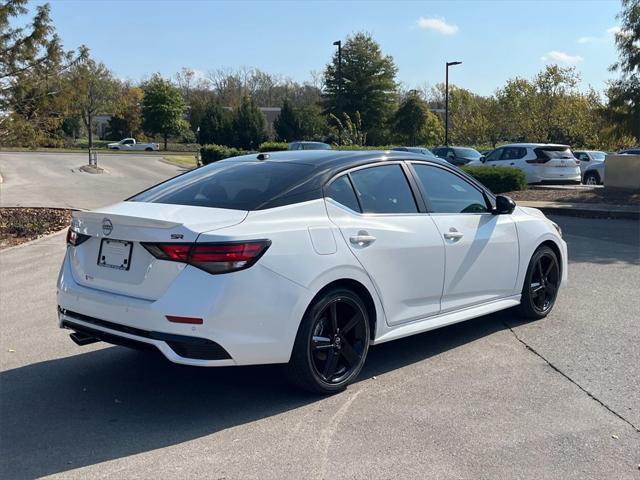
[
  {"x": 182, "y": 147},
  {"x": 273, "y": 146},
  {"x": 213, "y": 153},
  {"x": 498, "y": 179}
]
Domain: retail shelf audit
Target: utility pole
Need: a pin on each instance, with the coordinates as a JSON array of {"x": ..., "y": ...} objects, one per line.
[
  {"x": 338, "y": 43},
  {"x": 446, "y": 102}
]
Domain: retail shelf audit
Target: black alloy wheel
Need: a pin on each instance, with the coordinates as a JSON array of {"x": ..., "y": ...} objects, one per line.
[
  {"x": 541, "y": 284},
  {"x": 332, "y": 343}
]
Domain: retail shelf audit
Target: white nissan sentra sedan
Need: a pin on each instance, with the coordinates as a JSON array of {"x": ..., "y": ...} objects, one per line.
[{"x": 303, "y": 258}]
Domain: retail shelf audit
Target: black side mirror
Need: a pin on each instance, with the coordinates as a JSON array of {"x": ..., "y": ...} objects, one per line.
[
  {"x": 483, "y": 159},
  {"x": 504, "y": 205}
]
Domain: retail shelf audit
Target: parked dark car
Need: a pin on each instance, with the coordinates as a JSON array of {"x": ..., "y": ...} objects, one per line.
[
  {"x": 421, "y": 150},
  {"x": 630, "y": 151},
  {"x": 457, "y": 155}
]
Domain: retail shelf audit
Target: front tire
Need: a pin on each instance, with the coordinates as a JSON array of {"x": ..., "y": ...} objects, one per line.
[
  {"x": 332, "y": 343},
  {"x": 592, "y": 178},
  {"x": 541, "y": 284}
]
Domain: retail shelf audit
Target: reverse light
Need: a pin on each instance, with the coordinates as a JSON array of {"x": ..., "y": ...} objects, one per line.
[
  {"x": 214, "y": 258},
  {"x": 74, "y": 238}
]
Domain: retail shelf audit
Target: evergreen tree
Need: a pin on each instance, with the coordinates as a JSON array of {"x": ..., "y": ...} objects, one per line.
[
  {"x": 364, "y": 82},
  {"x": 288, "y": 124},
  {"x": 248, "y": 125},
  {"x": 215, "y": 125}
]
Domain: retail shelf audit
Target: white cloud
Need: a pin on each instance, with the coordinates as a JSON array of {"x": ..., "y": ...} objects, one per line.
[
  {"x": 589, "y": 39},
  {"x": 561, "y": 58},
  {"x": 613, "y": 30},
  {"x": 438, "y": 25}
]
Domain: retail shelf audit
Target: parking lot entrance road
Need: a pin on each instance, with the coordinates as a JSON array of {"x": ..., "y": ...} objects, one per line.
[{"x": 32, "y": 179}]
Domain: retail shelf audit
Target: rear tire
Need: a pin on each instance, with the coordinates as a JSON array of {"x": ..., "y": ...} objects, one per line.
[
  {"x": 332, "y": 343},
  {"x": 541, "y": 284},
  {"x": 149, "y": 149}
]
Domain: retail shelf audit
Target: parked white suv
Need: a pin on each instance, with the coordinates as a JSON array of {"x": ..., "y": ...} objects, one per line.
[
  {"x": 541, "y": 162},
  {"x": 589, "y": 158},
  {"x": 131, "y": 144}
]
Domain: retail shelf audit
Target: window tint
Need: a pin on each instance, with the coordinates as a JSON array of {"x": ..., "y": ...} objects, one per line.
[
  {"x": 554, "y": 152},
  {"x": 513, "y": 153},
  {"x": 449, "y": 193},
  {"x": 495, "y": 155},
  {"x": 467, "y": 152},
  {"x": 233, "y": 185},
  {"x": 342, "y": 192},
  {"x": 440, "y": 152},
  {"x": 383, "y": 190}
]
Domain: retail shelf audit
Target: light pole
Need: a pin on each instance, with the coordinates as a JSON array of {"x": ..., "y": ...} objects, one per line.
[
  {"x": 446, "y": 102},
  {"x": 338, "y": 43}
]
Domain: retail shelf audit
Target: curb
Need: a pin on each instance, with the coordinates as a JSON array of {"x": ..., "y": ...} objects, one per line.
[
  {"x": 31, "y": 242},
  {"x": 589, "y": 212}
]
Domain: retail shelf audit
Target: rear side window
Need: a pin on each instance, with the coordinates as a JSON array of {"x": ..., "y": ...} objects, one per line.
[
  {"x": 231, "y": 185},
  {"x": 448, "y": 193},
  {"x": 342, "y": 192},
  {"x": 383, "y": 190},
  {"x": 513, "y": 153}
]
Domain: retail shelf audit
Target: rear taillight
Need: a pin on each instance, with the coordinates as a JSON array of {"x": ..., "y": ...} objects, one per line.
[
  {"x": 74, "y": 238},
  {"x": 211, "y": 257}
]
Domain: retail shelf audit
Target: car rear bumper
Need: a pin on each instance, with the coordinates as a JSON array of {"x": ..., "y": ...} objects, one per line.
[{"x": 248, "y": 317}]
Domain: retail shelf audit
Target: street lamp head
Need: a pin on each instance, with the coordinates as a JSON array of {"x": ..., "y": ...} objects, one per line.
[
  {"x": 337, "y": 43},
  {"x": 453, "y": 63}
]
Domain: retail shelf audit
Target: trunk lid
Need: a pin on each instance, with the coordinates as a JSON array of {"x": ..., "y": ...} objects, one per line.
[
  {"x": 114, "y": 260},
  {"x": 559, "y": 162}
]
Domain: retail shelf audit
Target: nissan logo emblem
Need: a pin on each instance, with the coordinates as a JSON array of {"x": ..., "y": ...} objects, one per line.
[{"x": 107, "y": 226}]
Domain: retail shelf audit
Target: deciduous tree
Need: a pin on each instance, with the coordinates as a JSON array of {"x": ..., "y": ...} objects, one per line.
[
  {"x": 92, "y": 91},
  {"x": 163, "y": 108}
]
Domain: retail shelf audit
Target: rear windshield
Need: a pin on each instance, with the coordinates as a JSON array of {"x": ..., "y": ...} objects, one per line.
[
  {"x": 554, "y": 152},
  {"x": 232, "y": 185},
  {"x": 467, "y": 153}
]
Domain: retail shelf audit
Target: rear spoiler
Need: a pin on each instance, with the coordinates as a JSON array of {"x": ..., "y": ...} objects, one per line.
[{"x": 97, "y": 218}]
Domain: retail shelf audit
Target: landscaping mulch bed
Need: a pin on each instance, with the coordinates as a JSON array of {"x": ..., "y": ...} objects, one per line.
[
  {"x": 595, "y": 195},
  {"x": 20, "y": 224}
]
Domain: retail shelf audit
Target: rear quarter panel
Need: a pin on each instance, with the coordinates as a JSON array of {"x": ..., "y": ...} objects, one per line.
[{"x": 302, "y": 252}]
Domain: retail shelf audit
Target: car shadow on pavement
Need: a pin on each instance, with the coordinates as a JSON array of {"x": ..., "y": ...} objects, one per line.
[{"x": 110, "y": 403}]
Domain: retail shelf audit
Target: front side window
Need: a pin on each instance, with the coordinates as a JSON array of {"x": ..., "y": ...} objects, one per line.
[
  {"x": 342, "y": 192},
  {"x": 495, "y": 155},
  {"x": 384, "y": 190},
  {"x": 448, "y": 193}
]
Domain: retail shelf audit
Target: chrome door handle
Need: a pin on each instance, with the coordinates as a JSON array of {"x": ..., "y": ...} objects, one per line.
[
  {"x": 362, "y": 239},
  {"x": 453, "y": 234}
]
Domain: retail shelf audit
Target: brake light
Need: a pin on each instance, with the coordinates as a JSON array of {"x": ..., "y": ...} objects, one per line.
[
  {"x": 211, "y": 257},
  {"x": 74, "y": 238}
]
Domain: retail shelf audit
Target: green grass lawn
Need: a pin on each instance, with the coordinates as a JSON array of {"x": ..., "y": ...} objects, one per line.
[{"x": 184, "y": 160}]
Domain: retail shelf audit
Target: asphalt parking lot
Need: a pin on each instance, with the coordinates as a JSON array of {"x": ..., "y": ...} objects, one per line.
[
  {"x": 490, "y": 398},
  {"x": 55, "y": 179}
]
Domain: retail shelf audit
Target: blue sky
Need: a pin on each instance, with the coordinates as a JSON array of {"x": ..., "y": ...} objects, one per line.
[{"x": 496, "y": 40}]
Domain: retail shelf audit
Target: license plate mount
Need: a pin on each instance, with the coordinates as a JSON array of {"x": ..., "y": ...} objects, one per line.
[{"x": 115, "y": 254}]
